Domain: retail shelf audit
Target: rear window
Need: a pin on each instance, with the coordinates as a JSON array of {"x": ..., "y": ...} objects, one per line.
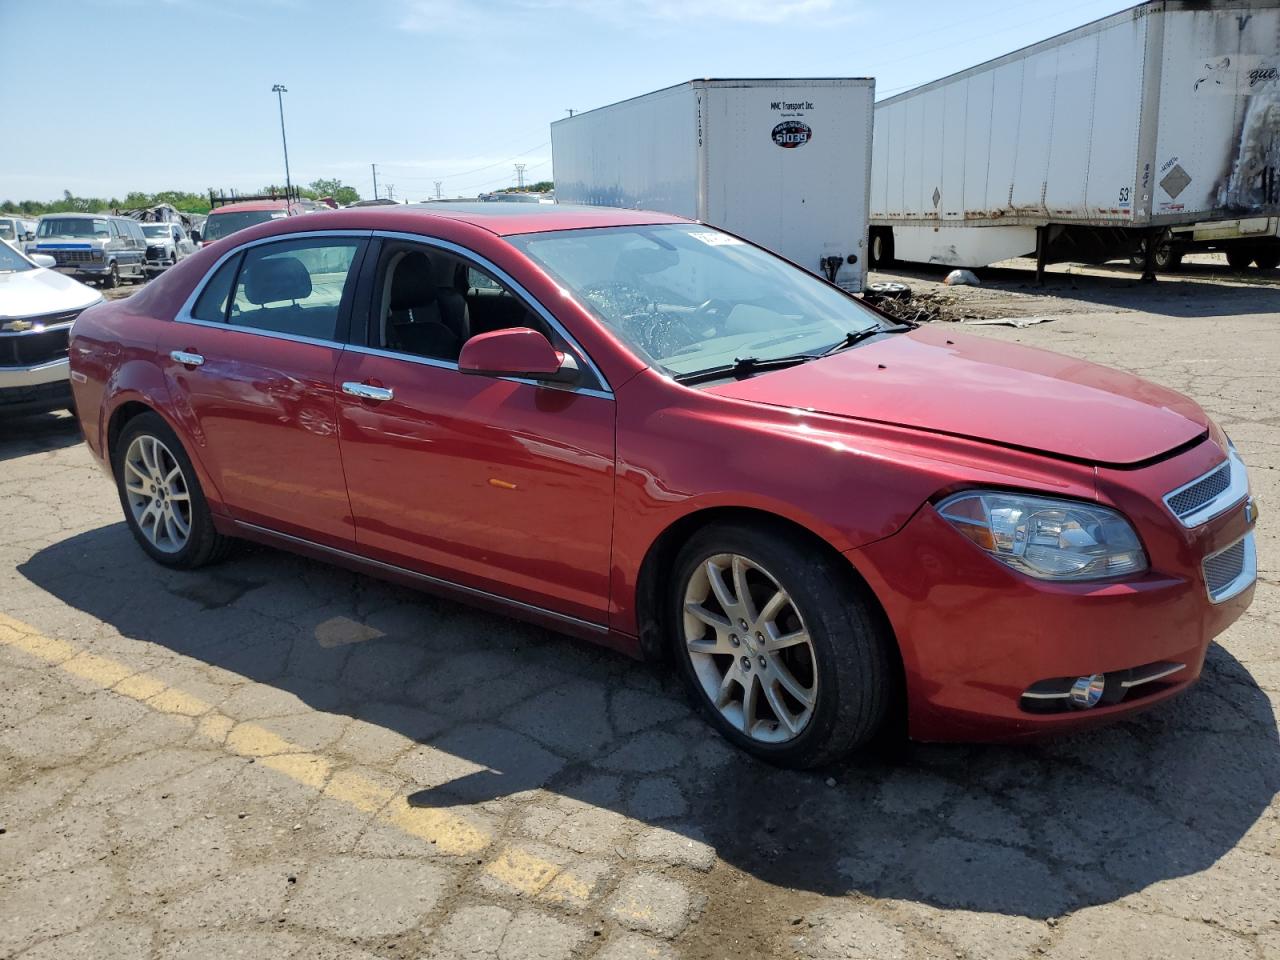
[{"x": 221, "y": 225}]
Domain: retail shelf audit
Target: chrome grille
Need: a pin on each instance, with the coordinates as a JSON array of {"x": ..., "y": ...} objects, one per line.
[
  {"x": 1229, "y": 571},
  {"x": 1210, "y": 494},
  {"x": 70, "y": 256},
  {"x": 1189, "y": 500}
]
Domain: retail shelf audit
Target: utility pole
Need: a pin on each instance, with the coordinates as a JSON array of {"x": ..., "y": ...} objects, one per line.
[
  {"x": 570, "y": 111},
  {"x": 280, "y": 90},
  {"x": 520, "y": 175},
  {"x": 391, "y": 191},
  {"x": 438, "y": 184},
  {"x": 375, "y": 180}
]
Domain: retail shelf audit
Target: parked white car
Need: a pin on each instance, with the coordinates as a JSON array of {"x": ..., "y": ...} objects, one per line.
[
  {"x": 37, "y": 308},
  {"x": 167, "y": 243},
  {"x": 17, "y": 230}
]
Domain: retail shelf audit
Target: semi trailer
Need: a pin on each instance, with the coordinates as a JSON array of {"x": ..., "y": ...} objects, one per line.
[
  {"x": 783, "y": 163},
  {"x": 1145, "y": 134}
]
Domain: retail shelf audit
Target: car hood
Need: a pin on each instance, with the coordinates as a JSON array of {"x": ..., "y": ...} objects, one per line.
[
  {"x": 34, "y": 293},
  {"x": 988, "y": 390}
]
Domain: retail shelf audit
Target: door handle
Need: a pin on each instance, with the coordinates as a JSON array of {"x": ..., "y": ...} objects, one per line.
[
  {"x": 367, "y": 392},
  {"x": 186, "y": 358}
]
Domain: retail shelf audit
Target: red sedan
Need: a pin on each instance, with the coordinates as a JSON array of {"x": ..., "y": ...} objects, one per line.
[{"x": 653, "y": 434}]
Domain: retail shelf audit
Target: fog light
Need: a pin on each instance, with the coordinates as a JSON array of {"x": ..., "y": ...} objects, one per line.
[{"x": 1087, "y": 691}]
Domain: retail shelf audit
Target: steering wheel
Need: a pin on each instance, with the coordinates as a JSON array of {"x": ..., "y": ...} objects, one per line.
[{"x": 714, "y": 311}]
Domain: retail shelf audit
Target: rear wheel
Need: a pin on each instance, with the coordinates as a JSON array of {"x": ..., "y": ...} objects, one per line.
[
  {"x": 1267, "y": 258},
  {"x": 777, "y": 647},
  {"x": 881, "y": 249},
  {"x": 1239, "y": 257},
  {"x": 164, "y": 506}
]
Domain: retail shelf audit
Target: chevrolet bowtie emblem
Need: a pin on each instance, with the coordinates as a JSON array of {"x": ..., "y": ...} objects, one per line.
[{"x": 17, "y": 326}]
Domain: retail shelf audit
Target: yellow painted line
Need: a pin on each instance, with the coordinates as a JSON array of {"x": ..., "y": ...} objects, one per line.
[{"x": 519, "y": 870}]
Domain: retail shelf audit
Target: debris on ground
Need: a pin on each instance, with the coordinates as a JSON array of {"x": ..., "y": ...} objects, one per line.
[
  {"x": 962, "y": 278},
  {"x": 929, "y": 308},
  {"x": 1017, "y": 322}
]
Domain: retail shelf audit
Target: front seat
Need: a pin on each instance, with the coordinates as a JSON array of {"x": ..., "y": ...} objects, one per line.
[{"x": 426, "y": 316}]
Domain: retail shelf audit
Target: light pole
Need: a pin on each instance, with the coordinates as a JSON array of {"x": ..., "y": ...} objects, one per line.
[{"x": 280, "y": 90}]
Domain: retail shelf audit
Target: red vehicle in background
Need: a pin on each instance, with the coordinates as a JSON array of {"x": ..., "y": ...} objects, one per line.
[
  {"x": 654, "y": 434},
  {"x": 226, "y": 220}
]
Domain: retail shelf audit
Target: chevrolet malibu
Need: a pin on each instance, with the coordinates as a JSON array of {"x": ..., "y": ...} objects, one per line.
[{"x": 653, "y": 434}]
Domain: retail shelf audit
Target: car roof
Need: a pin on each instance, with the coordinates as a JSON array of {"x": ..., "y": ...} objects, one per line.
[
  {"x": 505, "y": 218},
  {"x": 247, "y": 205}
]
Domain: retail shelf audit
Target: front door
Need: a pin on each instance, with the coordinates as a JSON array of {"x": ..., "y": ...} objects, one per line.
[
  {"x": 251, "y": 371},
  {"x": 497, "y": 484}
]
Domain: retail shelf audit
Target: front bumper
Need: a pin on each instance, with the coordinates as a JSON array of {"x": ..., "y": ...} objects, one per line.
[
  {"x": 36, "y": 388},
  {"x": 975, "y": 635}
]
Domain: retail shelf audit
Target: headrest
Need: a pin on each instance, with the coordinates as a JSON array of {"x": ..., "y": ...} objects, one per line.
[
  {"x": 412, "y": 284},
  {"x": 275, "y": 279}
]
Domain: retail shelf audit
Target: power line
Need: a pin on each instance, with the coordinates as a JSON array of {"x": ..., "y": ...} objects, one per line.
[{"x": 488, "y": 166}]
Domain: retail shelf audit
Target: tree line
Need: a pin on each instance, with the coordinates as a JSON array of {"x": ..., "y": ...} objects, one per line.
[{"x": 182, "y": 200}]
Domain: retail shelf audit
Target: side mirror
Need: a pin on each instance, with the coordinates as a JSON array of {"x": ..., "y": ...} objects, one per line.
[
  {"x": 42, "y": 260},
  {"x": 195, "y": 237},
  {"x": 517, "y": 352},
  {"x": 29, "y": 237}
]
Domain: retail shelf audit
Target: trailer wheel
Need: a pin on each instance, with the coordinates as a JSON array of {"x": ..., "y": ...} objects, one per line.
[
  {"x": 1239, "y": 257},
  {"x": 1168, "y": 257},
  {"x": 881, "y": 248},
  {"x": 1267, "y": 258},
  {"x": 886, "y": 290}
]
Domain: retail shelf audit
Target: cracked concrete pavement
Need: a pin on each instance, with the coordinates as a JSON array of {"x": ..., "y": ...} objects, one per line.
[{"x": 276, "y": 758}]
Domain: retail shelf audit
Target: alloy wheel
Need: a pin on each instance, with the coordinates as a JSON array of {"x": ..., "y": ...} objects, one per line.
[
  {"x": 750, "y": 649},
  {"x": 158, "y": 495}
]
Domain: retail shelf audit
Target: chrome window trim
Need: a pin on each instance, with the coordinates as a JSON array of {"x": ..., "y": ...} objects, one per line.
[
  {"x": 429, "y": 580},
  {"x": 184, "y": 312},
  {"x": 1243, "y": 580},
  {"x": 1237, "y": 490},
  {"x": 516, "y": 288}
]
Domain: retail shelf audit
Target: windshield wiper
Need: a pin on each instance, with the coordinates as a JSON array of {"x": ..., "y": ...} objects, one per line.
[
  {"x": 857, "y": 336},
  {"x": 745, "y": 366}
]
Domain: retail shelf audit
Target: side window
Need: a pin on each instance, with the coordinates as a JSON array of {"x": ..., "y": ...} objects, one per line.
[
  {"x": 294, "y": 287},
  {"x": 211, "y": 305}
]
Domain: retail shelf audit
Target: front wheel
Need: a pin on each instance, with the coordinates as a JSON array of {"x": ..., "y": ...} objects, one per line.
[
  {"x": 163, "y": 504},
  {"x": 113, "y": 277},
  {"x": 778, "y": 646}
]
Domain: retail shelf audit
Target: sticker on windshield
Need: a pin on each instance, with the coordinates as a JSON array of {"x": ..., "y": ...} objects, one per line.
[{"x": 717, "y": 239}]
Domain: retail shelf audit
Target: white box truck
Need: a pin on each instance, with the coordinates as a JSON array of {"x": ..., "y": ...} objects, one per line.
[
  {"x": 1156, "y": 128},
  {"x": 783, "y": 163}
]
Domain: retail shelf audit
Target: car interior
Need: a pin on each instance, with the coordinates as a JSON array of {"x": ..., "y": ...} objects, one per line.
[{"x": 431, "y": 303}]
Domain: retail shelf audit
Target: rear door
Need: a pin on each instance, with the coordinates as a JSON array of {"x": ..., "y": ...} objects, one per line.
[{"x": 250, "y": 364}]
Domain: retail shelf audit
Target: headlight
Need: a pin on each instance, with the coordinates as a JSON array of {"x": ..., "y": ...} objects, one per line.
[{"x": 1047, "y": 538}]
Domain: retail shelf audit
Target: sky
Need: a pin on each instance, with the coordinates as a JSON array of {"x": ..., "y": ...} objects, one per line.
[{"x": 153, "y": 95}]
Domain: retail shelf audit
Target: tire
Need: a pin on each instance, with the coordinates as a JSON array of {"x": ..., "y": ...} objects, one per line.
[
  {"x": 113, "y": 277},
  {"x": 1239, "y": 257},
  {"x": 202, "y": 544},
  {"x": 1168, "y": 258},
  {"x": 881, "y": 252},
  {"x": 886, "y": 290},
  {"x": 843, "y": 667},
  {"x": 1268, "y": 258}
]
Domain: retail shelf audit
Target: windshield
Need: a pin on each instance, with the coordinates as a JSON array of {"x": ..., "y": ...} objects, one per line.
[
  {"x": 156, "y": 231},
  {"x": 13, "y": 262},
  {"x": 689, "y": 298},
  {"x": 73, "y": 227},
  {"x": 220, "y": 225}
]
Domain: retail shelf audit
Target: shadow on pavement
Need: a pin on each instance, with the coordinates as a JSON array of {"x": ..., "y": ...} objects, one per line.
[
  {"x": 1181, "y": 294},
  {"x": 1033, "y": 830},
  {"x": 21, "y": 436}
]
